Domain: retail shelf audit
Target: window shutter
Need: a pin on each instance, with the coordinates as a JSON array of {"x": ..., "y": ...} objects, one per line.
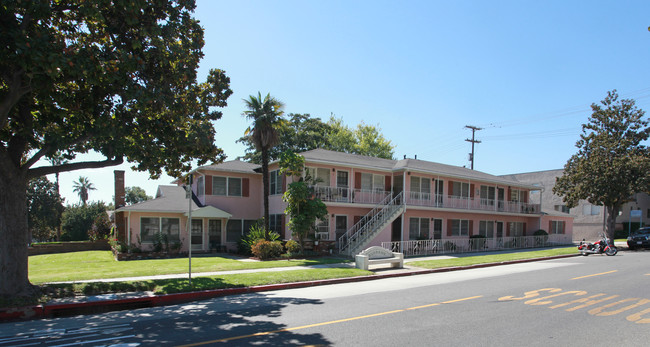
[
  {"x": 387, "y": 183},
  {"x": 550, "y": 227},
  {"x": 450, "y": 191},
  {"x": 471, "y": 227},
  {"x": 208, "y": 185},
  {"x": 508, "y": 194},
  {"x": 284, "y": 183},
  {"x": 448, "y": 227},
  {"x": 525, "y": 196},
  {"x": 357, "y": 180},
  {"x": 245, "y": 182}
]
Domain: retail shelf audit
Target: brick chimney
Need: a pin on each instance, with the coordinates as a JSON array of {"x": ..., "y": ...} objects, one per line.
[
  {"x": 119, "y": 189},
  {"x": 120, "y": 201}
]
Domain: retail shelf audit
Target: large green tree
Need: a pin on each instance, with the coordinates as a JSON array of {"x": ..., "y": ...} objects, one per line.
[
  {"x": 45, "y": 206},
  {"x": 134, "y": 195},
  {"x": 302, "y": 133},
  {"x": 612, "y": 163},
  {"x": 303, "y": 207},
  {"x": 266, "y": 114},
  {"x": 116, "y": 78}
]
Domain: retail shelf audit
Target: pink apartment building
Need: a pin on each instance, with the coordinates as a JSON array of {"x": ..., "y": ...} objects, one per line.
[{"x": 398, "y": 204}]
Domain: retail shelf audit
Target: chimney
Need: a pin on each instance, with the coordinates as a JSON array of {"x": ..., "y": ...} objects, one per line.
[
  {"x": 119, "y": 189},
  {"x": 416, "y": 157}
]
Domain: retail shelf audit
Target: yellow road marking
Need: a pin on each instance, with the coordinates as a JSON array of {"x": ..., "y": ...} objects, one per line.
[
  {"x": 598, "y": 274},
  {"x": 327, "y": 323}
]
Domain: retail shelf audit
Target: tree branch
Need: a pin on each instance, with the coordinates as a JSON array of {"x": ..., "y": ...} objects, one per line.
[{"x": 46, "y": 170}]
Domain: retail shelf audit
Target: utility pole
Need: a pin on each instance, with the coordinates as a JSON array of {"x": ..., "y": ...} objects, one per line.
[{"x": 473, "y": 141}]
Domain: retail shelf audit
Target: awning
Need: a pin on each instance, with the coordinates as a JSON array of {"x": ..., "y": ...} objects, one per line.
[{"x": 210, "y": 212}]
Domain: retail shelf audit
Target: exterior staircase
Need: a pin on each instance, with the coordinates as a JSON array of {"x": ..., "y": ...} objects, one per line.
[{"x": 370, "y": 225}]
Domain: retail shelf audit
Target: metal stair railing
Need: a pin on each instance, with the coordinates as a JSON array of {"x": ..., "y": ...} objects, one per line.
[{"x": 368, "y": 224}]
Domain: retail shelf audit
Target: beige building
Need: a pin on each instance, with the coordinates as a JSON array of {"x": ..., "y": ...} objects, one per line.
[{"x": 588, "y": 222}]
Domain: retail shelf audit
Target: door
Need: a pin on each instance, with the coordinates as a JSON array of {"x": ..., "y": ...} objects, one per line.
[
  {"x": 499, "y": 229},
  {"x": 197, "y": 234},
  {"x": 341, "y": 226},
  {"x": 214, "y": 234},
  {"x": 500, "y": 198},
  {"x": 342, "y": 186}
]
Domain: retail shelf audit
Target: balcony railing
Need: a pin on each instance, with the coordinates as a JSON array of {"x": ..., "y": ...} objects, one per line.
[
  {"x": 432, "y": 247},
  {"x": 361, "y": 196}
]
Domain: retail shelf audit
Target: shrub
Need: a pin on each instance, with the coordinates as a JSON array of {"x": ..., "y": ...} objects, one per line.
[
  {"x": 100, "y": 229},
  {"x": 540, "y": 232},
  {"x": 292, "y": 247},
  {"x": 77, "y": 220},
  {"x": 267, "y": 249},
  {"x": 255, "y": 234}
]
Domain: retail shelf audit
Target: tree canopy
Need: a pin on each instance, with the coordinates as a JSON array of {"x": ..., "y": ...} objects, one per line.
[
  {"x": 301, "y": 132},
  {"x": 134, "y": 195},
  {"x": 612, "y": 163},
  {"x": 116, "y": 78},
  {"x": 45, "y": 207},
  {"x": 83, "y": 187}
]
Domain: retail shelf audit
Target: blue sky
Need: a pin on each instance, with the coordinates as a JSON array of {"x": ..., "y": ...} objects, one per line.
[{"x": 525, "y": 71}]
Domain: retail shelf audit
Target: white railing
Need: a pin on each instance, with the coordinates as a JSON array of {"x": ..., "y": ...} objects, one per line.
[
  {"x": 446, "y": 246},
  {"x": 363, "y": 196},
  {"x": 367, "y": 226}
]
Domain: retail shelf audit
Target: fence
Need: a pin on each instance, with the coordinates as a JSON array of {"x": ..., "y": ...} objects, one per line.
[{"x": 433, "y": 247}]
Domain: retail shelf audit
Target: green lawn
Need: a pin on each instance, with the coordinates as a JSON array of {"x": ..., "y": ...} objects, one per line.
[
  {"x": 181, "y": 285},
  {"x": 101, "y": 264},
  {"x": 492, "y": 258}
]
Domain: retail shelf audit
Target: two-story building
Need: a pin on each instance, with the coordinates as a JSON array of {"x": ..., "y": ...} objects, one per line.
[{"x": 370, "y": 201}]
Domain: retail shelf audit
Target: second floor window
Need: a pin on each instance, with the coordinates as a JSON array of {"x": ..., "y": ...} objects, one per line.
[
  {"x": 275, "y": 182},
  {"x": 460, "y": 189},
  {"x": 421, "y": 186},
  {"x": 226, "y": 186},
  {"x": 320, "y": 175},
  {"x": 372, "y": 182}
]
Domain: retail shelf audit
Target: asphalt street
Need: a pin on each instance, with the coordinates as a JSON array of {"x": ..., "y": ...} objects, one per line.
[{"x": 595, "y": 300}]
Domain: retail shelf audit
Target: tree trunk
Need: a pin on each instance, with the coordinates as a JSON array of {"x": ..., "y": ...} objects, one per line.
[
  {"x": 612, "y": 213},
  {"x": 14, "y": 280},
  {"x": 265, "y": 183}
]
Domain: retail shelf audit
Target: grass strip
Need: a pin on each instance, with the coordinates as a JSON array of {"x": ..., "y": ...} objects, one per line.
[
  {"x": 491, "y": 258},
  {"x": 181, "y": 285},
  {"x": 90, "y": 265}
]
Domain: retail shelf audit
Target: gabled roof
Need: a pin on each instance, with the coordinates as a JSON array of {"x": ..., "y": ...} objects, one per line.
[
  {"x": 361, "y": 161},
  {"x": 232, "y": 166},
  {"x": 172, "y": 199}
]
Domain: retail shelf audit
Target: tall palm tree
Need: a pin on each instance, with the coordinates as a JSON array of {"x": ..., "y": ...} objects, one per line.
[
  {"x": 266, "y": 115},
  {"x": 83, "y": 187}
]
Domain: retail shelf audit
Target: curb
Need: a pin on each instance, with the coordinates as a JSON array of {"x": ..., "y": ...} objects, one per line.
[{"x": 102, "y": 306}]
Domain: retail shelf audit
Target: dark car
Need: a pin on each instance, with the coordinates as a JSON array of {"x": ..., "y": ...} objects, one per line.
[{"x": 639, "y": 238}]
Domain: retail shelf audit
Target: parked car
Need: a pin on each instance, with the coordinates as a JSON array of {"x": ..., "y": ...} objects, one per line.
[{"x": 639, "y": 238}]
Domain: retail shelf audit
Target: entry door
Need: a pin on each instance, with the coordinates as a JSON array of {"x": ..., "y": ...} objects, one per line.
[
  {"x": 197, "y": 234},
  {"x": 499, "y": 229},
  {"x": 341, "y": 226},
  {"x": 214, "y": 234},
  {"x": 342, "y": 184},
  {"x": 500, "y": 198}
]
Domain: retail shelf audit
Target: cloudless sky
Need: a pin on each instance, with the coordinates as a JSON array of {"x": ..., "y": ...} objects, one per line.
[{"x": 524, "y": 71}]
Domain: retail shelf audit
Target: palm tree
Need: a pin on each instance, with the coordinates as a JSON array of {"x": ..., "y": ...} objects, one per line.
[
  {"x": 266, "y": 115},
  {"x": 82, "y": 187}
]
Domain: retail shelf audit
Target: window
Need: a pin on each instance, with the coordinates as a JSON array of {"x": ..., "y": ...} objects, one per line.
[
  {"x": 150, "y": 226},
  {"x": 418, "y": 228},
  {"x": 562, "y": 208},
  {"x": 372, "y": 182},
  {"x": 275, "y": 223},
  {"x": 460, "y": 189},
  {"x": 275, "y": 182},
  {"x": 488, "y": 195},
  {"x": 516, "y": 229},
  {"x": 486, "y": 228},
  {"x": 420, "y": 188},
  {"x": 515, "y": 195},
  {"x": 234, "y": 230},
  {"x": 226, "y": 186},
  {"x": 200, "y": 186},
  {"x": 557, "y": 227},
  {"x": 320, "y": 175},
  {"x": 322, "y": 229},
  {"x": 459, "y": 227},
  {"x": 590, "y": 210}
]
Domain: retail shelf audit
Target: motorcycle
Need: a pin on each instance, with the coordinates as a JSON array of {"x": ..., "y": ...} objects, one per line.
[{"x": 599, "y": 247}]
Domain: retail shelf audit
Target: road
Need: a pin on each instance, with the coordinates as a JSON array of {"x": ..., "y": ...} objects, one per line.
[{"x": 595, "y": 300}]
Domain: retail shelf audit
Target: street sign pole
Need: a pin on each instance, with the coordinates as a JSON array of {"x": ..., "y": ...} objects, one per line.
[{"x": 189, "y": 227}]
